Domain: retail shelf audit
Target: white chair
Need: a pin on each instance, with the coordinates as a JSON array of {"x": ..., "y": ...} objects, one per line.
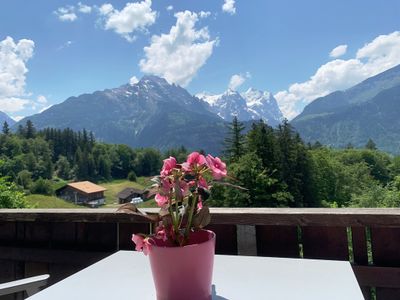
[{"x": 31, "y": 285}]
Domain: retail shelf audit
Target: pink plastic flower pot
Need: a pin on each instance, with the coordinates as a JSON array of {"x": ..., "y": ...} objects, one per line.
[{"x": 184, "y": 273}]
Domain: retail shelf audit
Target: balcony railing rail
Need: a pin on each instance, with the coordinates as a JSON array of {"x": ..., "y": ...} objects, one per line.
[{"x": 63, "y": 241}]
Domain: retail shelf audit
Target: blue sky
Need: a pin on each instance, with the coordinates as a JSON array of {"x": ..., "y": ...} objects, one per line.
[{"x": 58, "y": 49}]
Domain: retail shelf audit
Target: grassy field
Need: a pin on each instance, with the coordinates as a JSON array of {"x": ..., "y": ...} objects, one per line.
[
  {"x": 113, "y": 188},
  {"x": 42, "y": 201}
]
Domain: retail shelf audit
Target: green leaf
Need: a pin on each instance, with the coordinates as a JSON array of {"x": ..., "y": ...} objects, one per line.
[{"x": 202, "y": 217}]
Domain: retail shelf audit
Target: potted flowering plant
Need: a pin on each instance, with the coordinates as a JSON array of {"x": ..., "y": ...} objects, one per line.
[{"x": 181, "y": 252}]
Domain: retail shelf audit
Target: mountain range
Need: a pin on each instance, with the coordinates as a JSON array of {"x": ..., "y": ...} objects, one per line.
[
  {"x": 150, "y": 113},
  {"x": 250, "y": 105},
  {"x": 154, "y": 113},
  {"x": 5, "y": 118},
  {"x": 367, "y": 110}
]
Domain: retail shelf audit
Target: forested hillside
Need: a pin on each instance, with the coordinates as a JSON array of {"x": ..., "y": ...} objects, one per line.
[
  {"x": 279, "y": 170},
  {"x": 35, "y": 161},
  {"x": 274, "y": 167},
  {"x": 369, "y": 109}
]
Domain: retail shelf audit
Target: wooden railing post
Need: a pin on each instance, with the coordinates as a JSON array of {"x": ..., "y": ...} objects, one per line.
[{"x": 246, "y": 240}]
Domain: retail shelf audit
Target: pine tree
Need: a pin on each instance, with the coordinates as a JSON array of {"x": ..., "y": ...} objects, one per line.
[
  {"x": 21, "y": 132},
  {"x": 349, "y": 146},
  {"x": 82, "y": 171},
  {"x": 63, "y": 168},
  {"x": 104, "y": 167},
  {"x": 261, "y": 140},
  {"x": 6, "y": 128},
  {"x": 91, "y": 166},
  {"x": 48, "y": 167},
  {"x": 294, "y": 164},
  {"x": 370, "y": 145},
  {"x": 30, "y": 131},
  {"x": 316, "y": 145},
  {"x": 85, "y": 140},
  {"x": 92, "y": 140},
  {"x": 234, "y": 143}
]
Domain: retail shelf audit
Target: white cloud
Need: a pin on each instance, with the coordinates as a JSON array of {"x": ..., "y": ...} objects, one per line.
[
  {"x": 66, "y": 13},
  {"x": 105, "y": 9},
  {"x": 40, "y": 104},
  {"x": 178, "y": 55},
  {"x": 133, "y": 17},
  {"x": 85, "y": 9},
  {"x": 169, "y": 8},
  {"x": 237, "y": 80},
  {"x": 68, "y": 17},
  {"x": 69, "y": 12},
  {"x": 229, "y": 7},
  {"x": 65, "y": 45},
  {"x": 338, "y": 51},
  {"x": 13, "y": 58},
  {"x": 373, "y": 58},
  {"x": 381, "y": 54},
  {"x": 41, "y": 99},
  {"x": 133, "y": 80},
  {"x": 204, "y": 14},
  {"x": 13, "y": 104}
]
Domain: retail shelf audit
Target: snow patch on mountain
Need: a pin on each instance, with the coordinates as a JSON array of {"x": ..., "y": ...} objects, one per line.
[{"x": 250, "y": 105}]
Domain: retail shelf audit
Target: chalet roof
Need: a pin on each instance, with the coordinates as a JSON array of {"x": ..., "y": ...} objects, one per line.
[
  {"x": 127, "y": 192},
  {"x": 87, "y": 187}
]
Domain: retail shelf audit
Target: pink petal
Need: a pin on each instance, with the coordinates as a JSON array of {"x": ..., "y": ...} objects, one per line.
[{"x": 161, "y": 200}]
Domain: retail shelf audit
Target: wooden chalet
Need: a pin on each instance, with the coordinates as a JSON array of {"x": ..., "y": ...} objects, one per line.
[
  {"x": 126, "y": 195},
  {"x": 84, "y": 192}
]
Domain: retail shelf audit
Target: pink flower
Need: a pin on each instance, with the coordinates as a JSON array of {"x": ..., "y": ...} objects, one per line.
[
  {"x": 161, "y": 200},
  {"x": 195, "y": 158},
  {"x": 169, "y": 164},
  {"x": 142, "y": 244},
  {"x": 192, "y": 183},
  {"x": 161, "y": 232},
  {"x": 203, "y": 183},
  {"x": 166, "y": 186},
  {"x": 184, "y": 188},
  {"x": 199, "y": 203},
  {"x": 217, "y": 166}
]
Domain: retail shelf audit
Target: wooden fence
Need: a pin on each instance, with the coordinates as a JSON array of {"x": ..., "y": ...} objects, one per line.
[{"x": 63, "y": 241}]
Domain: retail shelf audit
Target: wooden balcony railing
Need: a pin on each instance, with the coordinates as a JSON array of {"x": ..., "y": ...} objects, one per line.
[{"x": 63, "y": 241}]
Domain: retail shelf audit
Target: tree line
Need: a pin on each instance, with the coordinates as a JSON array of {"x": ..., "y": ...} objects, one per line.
[
  {"x": 274, "y": 167},
  {"x": 277, "y": 169},
  {"x": 29, "y": 157}
]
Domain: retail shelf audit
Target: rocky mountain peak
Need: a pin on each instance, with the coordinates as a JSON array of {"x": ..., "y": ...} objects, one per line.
[
  {"x": 153, "y": 80},
  {"x": 250, "y": 105}
]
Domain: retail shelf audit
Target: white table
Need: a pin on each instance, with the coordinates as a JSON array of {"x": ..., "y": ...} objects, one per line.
[{"x": 127, "y": 275}]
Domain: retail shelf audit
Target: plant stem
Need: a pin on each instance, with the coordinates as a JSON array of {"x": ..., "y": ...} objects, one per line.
[
  {"x": 178, "y": 198},
  {"x": 189, "y": 223},
  {"x": 176, "y": 216},
  {"x": 171, "y": 212}
]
